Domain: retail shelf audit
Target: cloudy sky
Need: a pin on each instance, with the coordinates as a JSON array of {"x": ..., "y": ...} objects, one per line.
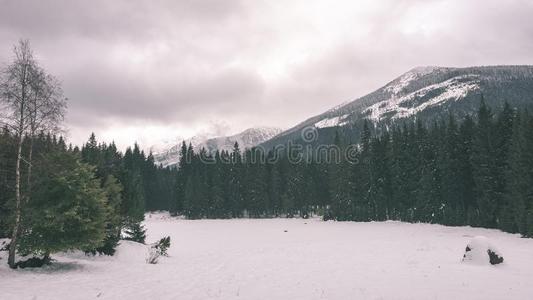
[{"x": 153, "y": 70}]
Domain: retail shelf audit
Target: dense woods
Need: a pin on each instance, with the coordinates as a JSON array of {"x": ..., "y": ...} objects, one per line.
[
  {"x": 86, "y": 198},
  {"x": 475, "y": 171}
]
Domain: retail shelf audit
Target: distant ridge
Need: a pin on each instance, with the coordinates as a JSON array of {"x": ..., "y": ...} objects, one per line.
[
  {"x": 248, "y": 138},
  {"x": 425, "y": 92}
]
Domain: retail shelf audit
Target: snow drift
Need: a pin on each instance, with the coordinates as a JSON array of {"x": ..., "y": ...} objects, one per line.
[{"x": 480, "y": 250}]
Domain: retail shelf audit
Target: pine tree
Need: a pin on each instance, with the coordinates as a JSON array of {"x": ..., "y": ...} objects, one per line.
[
  {"x": 275, "y": 189},
  {"x": 519, "y": 191},
  {"x": 113, "y": 192},
  {"x": 7, "y": 167},
  {"x": 287, "y": 201},
  {"x": 429, "y": 206},
  {"x": 450, "y": 164},
  {"x": 68, "y": 210},
  {"x": 133, "y": 197},
  {"x": 466, "y": 173},
  {"x": 235, "y": 184},
  {"x": 339, "y": 184},
  {"x": 256, "y": 188},
  {"x": 360, "y": 179},
  {"x": 216, "y": 190},
  {"x": 181, "y": 177},
  {"x": 485, "y": 171},
  {"x": 381, "y": 185},
  {"x": 195, "y": 197},
  {"x": 90, "y": 152},
  {"x": 404, "y": 171},
  {"x": 503, "y": 136}
]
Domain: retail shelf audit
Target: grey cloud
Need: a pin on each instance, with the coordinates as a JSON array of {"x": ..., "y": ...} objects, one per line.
[
  {"x": 96, "y": 90},
  {"x": 190, "y": 61},
  {"x": 111, "y": 19}
]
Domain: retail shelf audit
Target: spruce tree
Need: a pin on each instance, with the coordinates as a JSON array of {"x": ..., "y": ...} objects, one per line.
[
  {"x": 429, "y": 206},
  {"x": 68, "y": 210},
  {"x": 113, "y": 192},
  {"x": 195, "y": 196},
  {"x": 235, "y": 184},
  {"x": 361, "y": 179},
  {"x": 519, "y": 175},
  {"x": 503, "y": 136},
  {"x": 255, "y": 183},
  {"x": 339, "y": 184},
  {"x": 181, "y": 178},
  {"x": 275, "y": 189},
  {"x": 485, "y": 171},
  {"x": 381, "y": 185},
  {"x": 466, "y": 173}
]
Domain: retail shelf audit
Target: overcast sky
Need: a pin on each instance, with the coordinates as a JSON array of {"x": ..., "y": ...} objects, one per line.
[{"x": 153, "y": 70}]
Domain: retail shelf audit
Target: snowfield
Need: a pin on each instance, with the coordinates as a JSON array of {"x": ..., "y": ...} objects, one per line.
[{"x": 286, "y": 259}]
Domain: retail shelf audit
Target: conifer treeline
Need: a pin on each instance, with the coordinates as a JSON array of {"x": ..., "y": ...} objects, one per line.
[
  {"x": 477, "y": 171},
  {"x": 145, "y": 185},
  {"x": 43, "y": 143},
  {"x": 121, "y": 185}
]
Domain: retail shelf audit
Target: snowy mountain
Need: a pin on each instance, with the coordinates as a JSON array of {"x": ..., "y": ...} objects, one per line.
[
  {"x": 247, "y": 139},
  {"x": 425, "y": 93}
]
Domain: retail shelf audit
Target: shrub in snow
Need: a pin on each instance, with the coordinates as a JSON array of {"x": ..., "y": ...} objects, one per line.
[
  {"x": 162, "y": 245},
  {"x": 4, "y": 246},
  {"x": 481, "y": 251},
  {"x": 153, "y": 256},
  {"x": 158, "y": 249},
  {"x": 328, "y": 216}
]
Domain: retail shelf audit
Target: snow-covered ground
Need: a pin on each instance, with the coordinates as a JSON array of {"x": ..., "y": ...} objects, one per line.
[{"x": 286, "y": 259}]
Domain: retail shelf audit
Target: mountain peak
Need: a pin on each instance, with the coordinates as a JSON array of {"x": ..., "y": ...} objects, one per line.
[
  {"x": 248, "y": 138},
  {"x": 399, "y": 84},
  {"x": 424, "y": 70},
  {"x": 427, "y": 92}
]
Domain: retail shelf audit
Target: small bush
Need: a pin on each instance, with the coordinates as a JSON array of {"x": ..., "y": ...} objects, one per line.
[
  {"x": 162, "y": 245},
  {"x": 153, "y": 256},
  {"x": 5, "y": 246},
  {"x": 158, "y": 249}
]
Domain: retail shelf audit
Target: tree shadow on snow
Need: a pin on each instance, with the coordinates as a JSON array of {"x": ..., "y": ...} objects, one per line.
[{"x": 55, "y": 268}]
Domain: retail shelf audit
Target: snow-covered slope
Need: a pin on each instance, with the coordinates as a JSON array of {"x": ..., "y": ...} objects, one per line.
[
  {"x": 247, "y": 139},
  {"x": 286, "y": 259},
  {"x": 332, "y": 122},
  {"x": 427, "y": 92},
  {"x": 398, "y": 106}
]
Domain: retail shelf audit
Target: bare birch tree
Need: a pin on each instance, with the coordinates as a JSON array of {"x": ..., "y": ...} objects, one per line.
[{"x": 32, "y": 100}]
